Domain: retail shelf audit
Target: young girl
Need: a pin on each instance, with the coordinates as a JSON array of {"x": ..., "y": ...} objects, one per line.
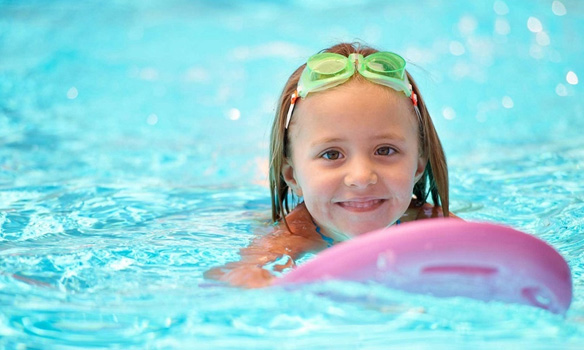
[{"x": 353, "y": 149}]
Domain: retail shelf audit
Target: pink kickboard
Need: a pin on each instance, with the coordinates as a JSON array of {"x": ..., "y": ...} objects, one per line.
[{"x": 446, "y": 258}]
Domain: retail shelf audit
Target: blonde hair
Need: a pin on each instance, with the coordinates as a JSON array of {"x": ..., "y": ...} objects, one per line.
[{"x": 433, "y": 182}]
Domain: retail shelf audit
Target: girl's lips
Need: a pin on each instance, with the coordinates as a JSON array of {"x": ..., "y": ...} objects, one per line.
[{"x": 361, "y": 205}]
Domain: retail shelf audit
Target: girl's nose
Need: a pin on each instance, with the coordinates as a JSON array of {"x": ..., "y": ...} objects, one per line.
[{"x": 360, "y": 174}]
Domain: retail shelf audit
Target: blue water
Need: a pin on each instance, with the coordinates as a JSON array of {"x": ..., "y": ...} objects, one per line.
[{"x": 133, "y": 157}]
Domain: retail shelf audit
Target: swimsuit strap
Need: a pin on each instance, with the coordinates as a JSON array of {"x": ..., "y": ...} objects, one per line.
[{"x": 329, "y": 241}]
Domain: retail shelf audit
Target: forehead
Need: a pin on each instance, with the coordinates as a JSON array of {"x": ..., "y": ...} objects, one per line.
[{"x": 354, "y": 108}]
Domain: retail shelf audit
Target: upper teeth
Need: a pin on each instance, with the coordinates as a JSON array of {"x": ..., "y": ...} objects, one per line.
[{"x": 361, "y": 204}]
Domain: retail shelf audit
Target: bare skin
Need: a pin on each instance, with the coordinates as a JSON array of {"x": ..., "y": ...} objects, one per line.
[{"x": 303, "y": 238}]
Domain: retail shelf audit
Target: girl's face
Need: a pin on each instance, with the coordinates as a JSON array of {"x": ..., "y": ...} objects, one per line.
[{"x": 354, "y": 157}]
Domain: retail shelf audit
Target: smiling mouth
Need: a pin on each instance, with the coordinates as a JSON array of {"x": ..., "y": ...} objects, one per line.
[{"x": 361, "y": 206}]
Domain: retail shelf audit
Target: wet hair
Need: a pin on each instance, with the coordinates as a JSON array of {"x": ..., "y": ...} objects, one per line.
[{"x": 433, "y": 183}]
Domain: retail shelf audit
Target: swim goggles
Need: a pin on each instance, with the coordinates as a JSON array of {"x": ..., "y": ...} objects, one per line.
[{"x": 326, "y": 70}]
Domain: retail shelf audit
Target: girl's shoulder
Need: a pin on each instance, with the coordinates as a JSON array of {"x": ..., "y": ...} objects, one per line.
[
  {"x": 299, "y": 222},
  {"x": 294, "y": 236}
]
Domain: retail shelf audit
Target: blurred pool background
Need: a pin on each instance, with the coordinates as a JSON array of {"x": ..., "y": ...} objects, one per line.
[{"x": 133, "y": 156}]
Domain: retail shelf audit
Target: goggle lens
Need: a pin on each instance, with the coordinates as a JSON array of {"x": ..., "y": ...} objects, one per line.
[
  {"x": 392, "y": 66},
  {"x": 327, "y": 63}
]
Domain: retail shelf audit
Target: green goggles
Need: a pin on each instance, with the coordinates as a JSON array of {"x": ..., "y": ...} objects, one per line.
[{"x": 326, "y": 70}]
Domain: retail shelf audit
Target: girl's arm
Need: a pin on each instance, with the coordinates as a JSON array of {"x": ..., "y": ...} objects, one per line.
[
  {"x": 283, "y": 247},
  {"x": 280, "y": 249}
]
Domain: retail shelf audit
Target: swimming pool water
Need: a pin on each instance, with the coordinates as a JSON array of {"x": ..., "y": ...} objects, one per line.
[{"x": 133, "y": 157}]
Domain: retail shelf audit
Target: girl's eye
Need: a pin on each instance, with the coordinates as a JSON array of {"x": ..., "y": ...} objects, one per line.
[
  {"x": 332, "y": 155},
  {"x": 384, "y": 151}
]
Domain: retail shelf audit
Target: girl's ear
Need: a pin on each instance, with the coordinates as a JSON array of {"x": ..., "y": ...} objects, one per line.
[
  {"x": 421, "y": 167},
  {"x": 290, "y": 177}
]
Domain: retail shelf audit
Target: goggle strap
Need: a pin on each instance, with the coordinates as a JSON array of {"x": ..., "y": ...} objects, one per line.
[
  {"x": 414, "y": 98},
  {"x": 418, "y": 114},
  {"x": 293, "y": 99}
]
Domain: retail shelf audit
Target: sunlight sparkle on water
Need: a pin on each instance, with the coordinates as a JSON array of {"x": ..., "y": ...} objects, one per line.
[
  {"x": 558, "y": 8},
  {"x": 542, "y": 38},
  {"x": 572, "y": 78},
  {"x": 234, "y": 114},
  {"x": 72, "y": 93},
  {"x": 456, "y": 48},
  {"x": 507, "y": 102},
  {"x": 500, "y": 8},
  {"x": 502, "y": 26},
  {"x": 534, "y": 25},
  {"x": 448, "y": 113},
  {"x": 467, "y": 25},
  {"x": 561, "y": 90},
  {"x": 152, "y": 119}
]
